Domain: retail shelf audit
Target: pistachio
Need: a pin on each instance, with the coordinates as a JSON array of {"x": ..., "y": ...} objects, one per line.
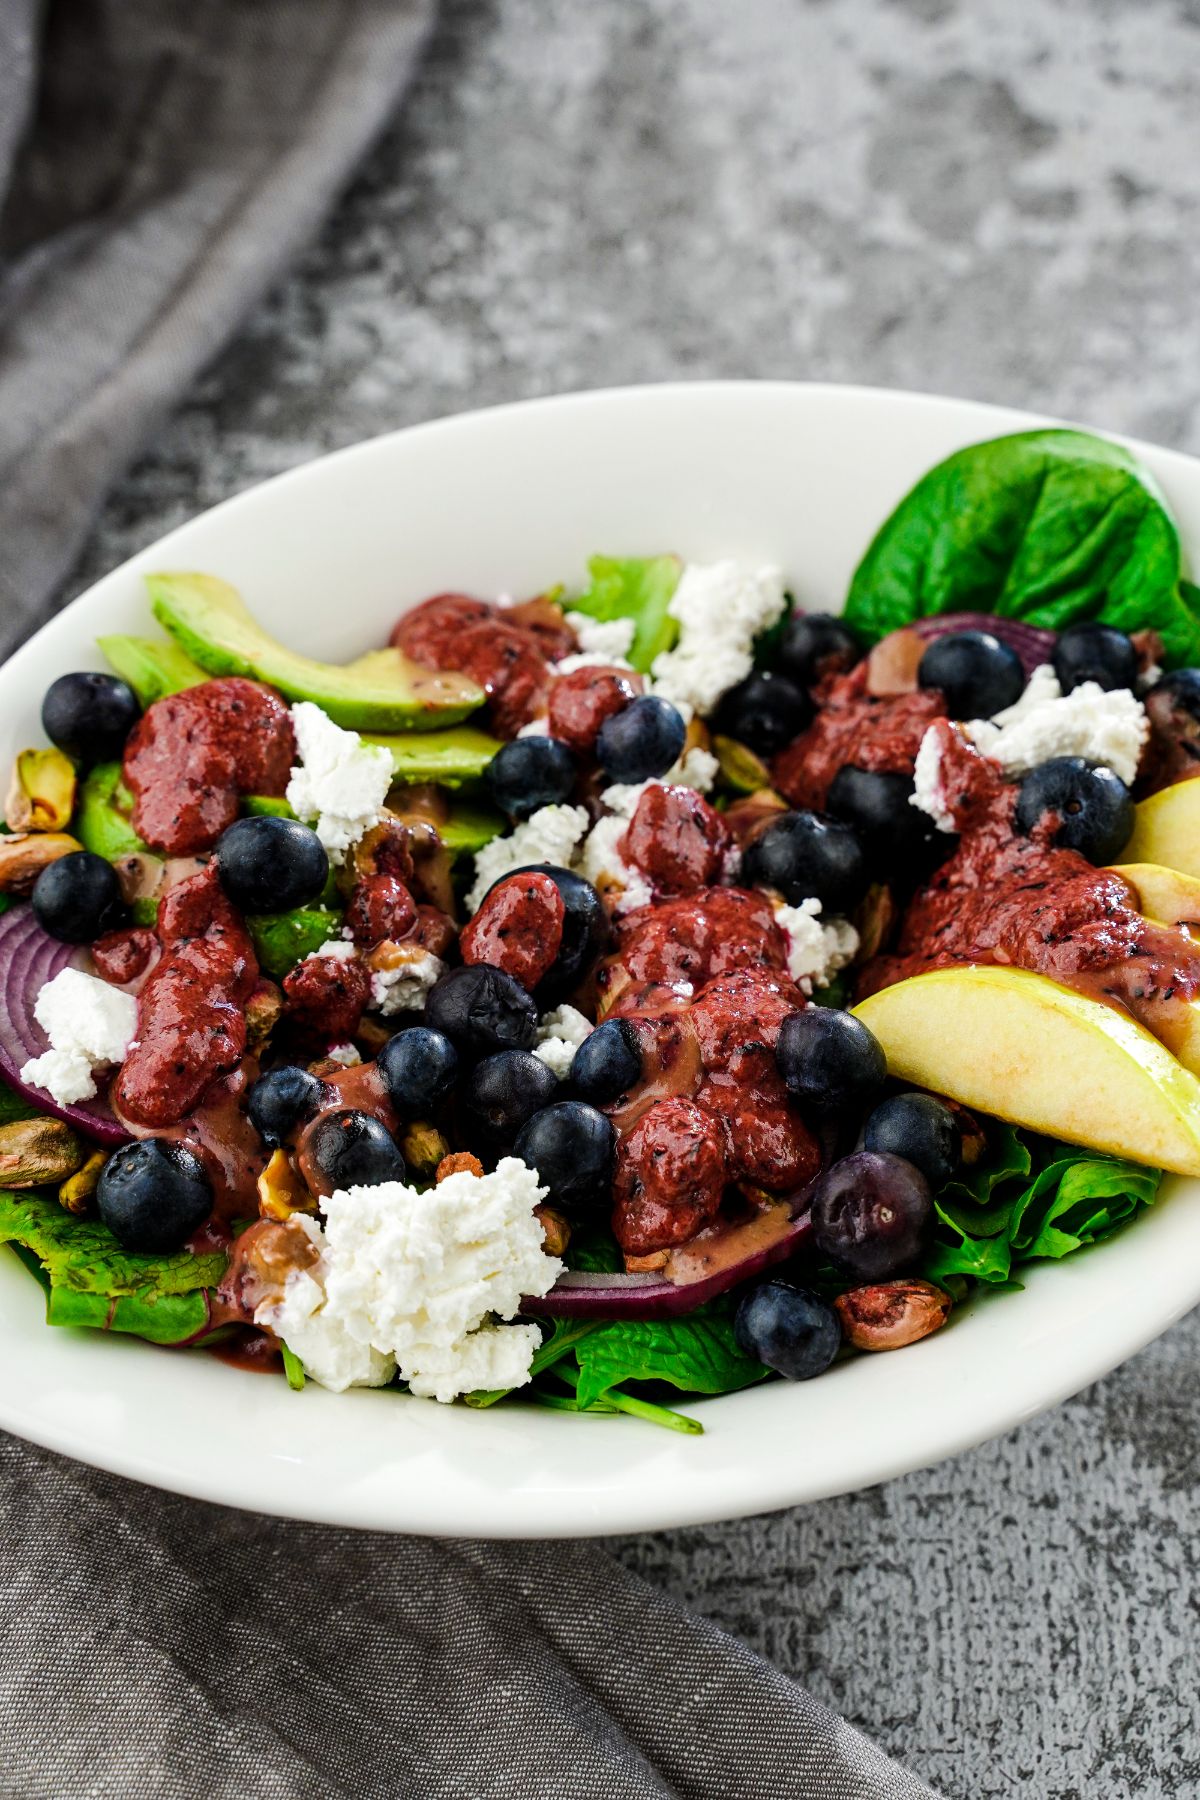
[
  {"x": 281, "y": 1192},
  {"x": 556, "y": 1229},
  {"x": 893, "y": 663},
  {"x": 647, "y": 1265},
  {"x": 892, "y": 1313},
  {"x": 24, "y": 854},
  {"x": 874, "y": 921},
  {"x": 76, "y": 1192},
  {"x": 41, "y": 796},
  {"x": 740, "y": 768},
  {"x": 264, "y": 1009},
  {"x": 424, "y": 1147},
  {"x": 460, "y": 1162},
  {"x": 38, "y": 1153}
]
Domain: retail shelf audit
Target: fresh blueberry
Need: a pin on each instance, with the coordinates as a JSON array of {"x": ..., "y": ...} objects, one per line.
[
  {"x": 482, "y": 1009},
  {"x": 804, "y": 856},
  {"x": 505, "y": 1090},
  {"x": 816, "y": 645},
  {"x": 78, "y": 898},
  {"x": 870, "y": 1213},
  {"x": 607, "y": 1063},
  {"x": 152, "y": 1195},
  {"x": 896, "y": 836},
  {"x": 531, "y": 772},
  {"x": 920, "y": 1129},
  {"x": 1174, "y": 708},
  {"x": 641, "y": 741},
  {"x": 90, "y": 716},
  {"x": 764, "y": 712},
  {"x": 351, "y": 1149},
  {"x": 1096, "y": 653},
  {"x": 830, "y": 1060},
  {"x": 270, "y": 865},
  {"x": 585, "y": 933},
  {"x": 419, "y": 1067},
  {"x": 791, "y": 1330},
  {"x": 976, "y": 674},
  {"x": 281, "y": 1100},
  {"x": 1178, "y": 692},
  {"x": 1094, "y": 807},
  {"x": 570, "y": 1145}
]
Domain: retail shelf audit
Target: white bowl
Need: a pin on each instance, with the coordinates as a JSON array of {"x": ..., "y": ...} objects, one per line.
[{"x": 513, "y": 500}]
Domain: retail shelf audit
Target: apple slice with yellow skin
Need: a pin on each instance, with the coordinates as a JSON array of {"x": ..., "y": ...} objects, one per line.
[
  {"x": 1166, "y": 828},
  {"x": 1166, "y": 896},
  {"x": 1024, "y": 1048}
]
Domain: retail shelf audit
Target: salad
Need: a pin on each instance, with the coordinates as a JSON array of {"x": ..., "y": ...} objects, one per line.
[{"x": 623, "y": 995}]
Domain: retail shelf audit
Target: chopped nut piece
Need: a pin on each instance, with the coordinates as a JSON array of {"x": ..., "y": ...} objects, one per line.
[
  {"x": 38, "y": 1152},
  {"x": 893, "y": 663},
  {"x": 76, "y": 1192},
  {"x": 740, "y": 768},
  {"x": 460, "y": 1162},
  {"x": 281, "y": 1192},
  {"x": 264, "y": 1009},
  {"x": 424, "y": 1147},
  {"x": 892, "y": 1313},
  {"x": 648, "y": 1264},
  {"x": 874, "y": 921},
  {"x": 41, "y": 796},
  {"x": 556, "y": 1229},
  {"x": 25, "y": 854}
]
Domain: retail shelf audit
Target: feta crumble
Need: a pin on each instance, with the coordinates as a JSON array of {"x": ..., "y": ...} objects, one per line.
[
  {"x": 314, "y": 1333},
  {"x": 402, "y": 987},
  {"x": 601, "y": 642},
  {"x": 559, "y": 1035},
  {"x": 721, "y": 608},
  {"x": 337, "y": 949},
  {"x": 1107, "y": 728},
  {"x": 340, "y": 784},
  {"x": 601, "y": 863},
  {"x": 549, "y": 836},
  {"x": 816, "y": 948},
  {"x": 929, "y": 795},
  {"x": 91, "y": 1025},
  {"x": 346, "y": 1056}
]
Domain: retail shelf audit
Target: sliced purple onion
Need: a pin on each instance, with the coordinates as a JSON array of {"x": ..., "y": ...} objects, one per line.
[
  {"x": 29, "y": 958},
  {"x": 1032, "y": 644}
]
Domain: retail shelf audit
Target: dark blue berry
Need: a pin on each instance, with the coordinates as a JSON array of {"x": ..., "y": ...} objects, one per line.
[
  {"x": 976, "y": 674},
  {"x": 419, "y": 1067},
  {"x": 816, "y": 645},
  {"x": 90, "y": 715},
  {"x": 896, "y": 836},
  {"x": 830, "y": 1060},
  {"x": 791, "y": 1330},
  {"x": 764, "y": 712},
  {"x": 270, "y": 865},
  {"x": 607, "y": 1063},
  {"x": 531, "y": 772},
  {"x": 78, "y": 898},
  {"x": 641, "y": 741},
  {"x": 1093, "y": 807},
  {"x": 351, "y": 1149},
  {"x": 570, "y": 1145},
  {"x": 1094, "y": 652},
  {"x": 870, "y": 1213},
  {"x": 505, "y": 1090},
  {"x": 482, "y": 1009},
  {"x": 281, "y": 1100},
  {"x": 585, "y": 931},
  {"x": 920, "y": 1129},
  {"x": 803, "y": 856},
  {"x": 153, "y": 1195}
]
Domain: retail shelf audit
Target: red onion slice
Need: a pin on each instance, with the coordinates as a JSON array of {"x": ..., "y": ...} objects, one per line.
[{"x": 1032, "y": 644}]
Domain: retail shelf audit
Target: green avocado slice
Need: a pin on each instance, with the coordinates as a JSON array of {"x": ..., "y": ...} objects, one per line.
[
  {"x": 103, "y": 814},
  {"x": 380, "y": 692},
  {"x": 153, "y": 669},
  {"x": 460, "y": 753}
]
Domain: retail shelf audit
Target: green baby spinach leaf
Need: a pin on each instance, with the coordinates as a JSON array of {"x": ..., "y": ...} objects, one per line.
[
  {"x": 1078, "y": 1200},
  {"x": 637, "y": 588},
  {"x": 697, "y": 1354}
]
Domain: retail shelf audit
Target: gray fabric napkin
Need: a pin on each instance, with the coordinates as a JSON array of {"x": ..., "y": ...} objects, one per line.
[{"x": 161, "y": 159}]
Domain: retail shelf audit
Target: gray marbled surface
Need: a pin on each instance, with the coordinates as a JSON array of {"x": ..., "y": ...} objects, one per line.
[{"x": 995, "y": 198}]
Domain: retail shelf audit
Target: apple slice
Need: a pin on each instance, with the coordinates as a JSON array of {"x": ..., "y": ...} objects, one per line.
[
  {"x": 1165, "y": 895},
  {"x": 1167, "y": 828},
  {"x": 1023, "y": 1048}
]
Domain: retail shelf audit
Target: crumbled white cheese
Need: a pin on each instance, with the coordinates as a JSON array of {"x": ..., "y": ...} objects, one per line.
[
  {"x": 602, "y": 642},
  {"x": 721, "y": 608},
  {"x": 347, "y": 1055},
  {"x": 549, "y": 836},
  {"x": 403, "y": 988},
  {"x": 536, "y": 728},
  {"x": 696, "y": 768},
  {"x": 601, "y": 863},
  {"x": 929, "y": 795},
  {"x": 1107, "y": 728},
  {"x": 338, "y": 949},
  {"x": 559, "y": 1035},
  {"x": 340, "y": 784},
  {"x": 817, "y": 948},
  {"x": 421, "y": 1278},
  {"x": 91, "y": 1025}
]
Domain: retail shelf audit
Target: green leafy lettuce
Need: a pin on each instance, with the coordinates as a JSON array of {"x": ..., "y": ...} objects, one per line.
[{"x": 637, "y": 588}]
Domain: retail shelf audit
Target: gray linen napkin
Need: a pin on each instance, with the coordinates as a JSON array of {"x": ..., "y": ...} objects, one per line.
[{"x": 162, "y": 159}]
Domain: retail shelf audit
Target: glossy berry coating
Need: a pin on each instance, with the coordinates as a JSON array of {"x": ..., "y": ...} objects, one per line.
[
  {"x": 870, "y": 1213},
  {"x": 643, "y": 740},
  {"x": 506, "y": 1089},
  {"x": 920, "y": 1129},
  {"x": 270, "y": 865},
  {"x": 90, "y": 716},
  {"x": 1095, "y": 652},
  {"x": 281, "y": 1100},
  {"x": 791, "y": 1330},
  {"x": 152, "y": 1195},
  {"x": 830, "y": 1060},
  {"x": 607, "y": 1063},
  {"x": 481, "y": 1009},
  {"x": 585, "y": 930},
  {"x": 571, "y": 1146},
  {"x": 816, "y": 645},
  {"x": 351, "y": 1149},
  {"x": 897, "y": 837},
  {"x": 974, "y": 671},
  {"x": 804, "y": 855},
  {"x": 530, "y": 772},
  {"x": 764, "y": 712},
  {"x": 419, "y": 1067},
  {"x": 1094, "y": 807},
  {"x": 78, "y": 898}
]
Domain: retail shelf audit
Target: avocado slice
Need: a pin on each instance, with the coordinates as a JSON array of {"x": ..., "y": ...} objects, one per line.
[
  {"x": 103, "y": 814},
  {"x": 382, "y": 691},
  {"x": 460, "y": 753},
  {"x": 281, "y": 939},
  {"x": 152, "y": 667}
]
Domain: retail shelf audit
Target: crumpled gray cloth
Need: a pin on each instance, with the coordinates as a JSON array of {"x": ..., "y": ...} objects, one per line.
[{"x": 159, "y": 162}]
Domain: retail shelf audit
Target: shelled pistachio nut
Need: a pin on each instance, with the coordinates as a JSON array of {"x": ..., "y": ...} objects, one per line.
[
  {"x": 41, "y": 794},
  {"x": 38, "y": 1153}
]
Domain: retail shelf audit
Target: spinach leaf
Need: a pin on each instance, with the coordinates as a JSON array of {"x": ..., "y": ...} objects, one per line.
[
  {"x": 1047, "y": 526},
  {"x": 1078, "y": 1200},
  {"x": 697, "y": 1354},
  {"x": 637, "y": 588}
]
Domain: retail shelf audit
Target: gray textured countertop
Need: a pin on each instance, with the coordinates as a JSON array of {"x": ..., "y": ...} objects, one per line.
[{"x": 995, "y": 198}]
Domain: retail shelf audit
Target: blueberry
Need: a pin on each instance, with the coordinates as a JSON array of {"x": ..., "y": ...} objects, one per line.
[
  {"x": 976, "y": 674},
  {"x": 78, "y": 898},
  {"x": 1180, "y": 690},
  {"x": 1174, "y": 708},
  {"x": 351, "y": 1149},
  {"x": 270, "y": 865},
  {"x": 607, "y": 1063},
  {"x": 529, "y": 773},
  {"x": 90, "y": 716},
  {"x": 585, "y": 936},
  {"x": 482, "y": 1009},
  {"x": 281, "y": 1100},
  {"x": 571, "y": 1147},
  {"x": 1094, "y": 806},
  {"x": 830, "y": 1060},
  {"x": 870, "y": 1213},
  {"x": 641, "y": 741},
  {"x": 920, "y": 1129},
  {"x": 815, "y": 645},
  {"x": 419, "y": 1067},
  {"x": 804, "y": 855},
  {"x": 896, "y": 836},
  {"x": 764, "y": 712},
  {"x": 1096, "y": 653},
  {"x": 792, "y": 1331},
  {"x": 152, "y": 1195},
  {"x": 505, "y": 1090}
]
